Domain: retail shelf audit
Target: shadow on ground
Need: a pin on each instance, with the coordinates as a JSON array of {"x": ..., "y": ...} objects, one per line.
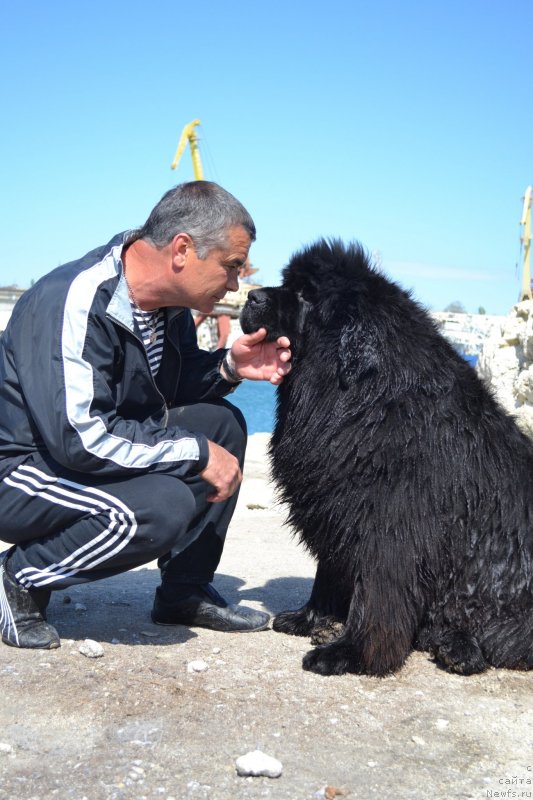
[{"x": 118, "y": 609}]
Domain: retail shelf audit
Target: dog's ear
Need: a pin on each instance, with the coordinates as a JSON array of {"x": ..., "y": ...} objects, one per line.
[{"x": 358, "y": 354}]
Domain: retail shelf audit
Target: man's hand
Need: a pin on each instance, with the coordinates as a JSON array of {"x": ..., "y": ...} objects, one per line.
[
  {"x": 222, "y": 472},
  {"x": 257, "y": 360}
]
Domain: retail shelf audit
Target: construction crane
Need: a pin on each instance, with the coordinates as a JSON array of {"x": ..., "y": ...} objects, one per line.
[
  {"x": 188, "y": 134},
  {"x": 525, "y": 222}
]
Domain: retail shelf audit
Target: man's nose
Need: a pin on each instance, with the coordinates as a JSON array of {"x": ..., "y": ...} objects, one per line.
[{"x": 232, "y": 282}]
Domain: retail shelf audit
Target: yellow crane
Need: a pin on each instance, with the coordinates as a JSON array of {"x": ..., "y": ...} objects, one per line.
[
  {"x": 525, "y": 222},
  {"x": 188, "y": 134}
]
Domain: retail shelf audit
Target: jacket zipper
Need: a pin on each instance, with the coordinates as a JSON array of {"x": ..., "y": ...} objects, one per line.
[{"x": 145, "y": 355}]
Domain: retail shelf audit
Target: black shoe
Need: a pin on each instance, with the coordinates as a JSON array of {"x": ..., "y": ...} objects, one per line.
[
  {"x": 22, "y": 614},
  {"x": 207, "y": 609}
]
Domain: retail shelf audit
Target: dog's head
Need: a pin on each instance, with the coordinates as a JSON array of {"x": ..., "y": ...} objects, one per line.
[
  {"x": 278, "y": 309},
  {"x": 322, "y": 295}
]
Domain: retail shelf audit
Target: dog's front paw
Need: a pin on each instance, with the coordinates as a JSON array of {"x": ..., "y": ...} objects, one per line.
[
  {"x": 296, "y": 623},
  {"x": 458, "y": 652},
  {"x": 331, "y": 660}
]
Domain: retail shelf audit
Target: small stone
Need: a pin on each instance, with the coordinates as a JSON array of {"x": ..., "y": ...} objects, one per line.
[
  {"x": 215, "y": 651},
  {"x": 5, "y": 749},
  {"x": 197, "y": 666},
  {"x": 67, "y": 599},
  {"x": 418, "y": 740},
  {"x": 256, "y": 763},
  {"x": 80, "y": 608},
  {"x": 91, "y": 649},
  {"x": 442, "y": 724},
  {"x": 330, "y": 792},
  {"x": 151, "y": 634}
]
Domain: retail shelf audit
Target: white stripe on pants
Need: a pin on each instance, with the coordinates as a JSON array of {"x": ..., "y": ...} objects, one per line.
[{"x": 120, "y": 529}]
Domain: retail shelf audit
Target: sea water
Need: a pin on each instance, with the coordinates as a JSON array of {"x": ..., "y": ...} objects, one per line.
[{"x": 257, "y": 401}]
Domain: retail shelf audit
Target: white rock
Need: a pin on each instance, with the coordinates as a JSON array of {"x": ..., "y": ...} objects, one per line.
[
  {"x": 91, "y": 649},
  {"x": 418, "y": 740},
  {"x": 522, "y": 309},
  {"x": 257, "y": 763},
  {"x": 506, "y": 362},
  {"x": 5, "y": 749},
  {"x": 442, "y": 724},
  {"x": 80, "y": 607},
  {"x": 511, "y": 330},
  {"x": 197, "y": 666}
]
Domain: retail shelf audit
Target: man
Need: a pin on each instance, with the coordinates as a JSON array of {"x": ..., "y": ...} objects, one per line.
[{"x": 116, "y": 446}]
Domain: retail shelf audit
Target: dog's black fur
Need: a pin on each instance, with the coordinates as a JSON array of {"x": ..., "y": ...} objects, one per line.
[{"x": 408, "y": 483}]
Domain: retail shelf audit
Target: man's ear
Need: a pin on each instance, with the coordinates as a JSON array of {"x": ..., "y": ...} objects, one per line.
[
  {"x": 181, "y": 245},
  {"x": 358, "y": 354}
]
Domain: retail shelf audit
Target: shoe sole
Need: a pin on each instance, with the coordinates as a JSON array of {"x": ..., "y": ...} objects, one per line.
[
  {"x": 210, "y": 627},
  {"x": 51, "y": 646}
]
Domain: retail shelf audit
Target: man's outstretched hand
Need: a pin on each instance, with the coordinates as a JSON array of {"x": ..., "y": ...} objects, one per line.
[{"x": 257, "y": 360}]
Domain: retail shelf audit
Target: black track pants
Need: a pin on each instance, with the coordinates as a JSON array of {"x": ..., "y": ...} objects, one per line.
[{"x": 71, "y": 527}]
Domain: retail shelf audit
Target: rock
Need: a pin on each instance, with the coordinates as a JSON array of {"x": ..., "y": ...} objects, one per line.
[
  {"x": 5, "y": 749},
  {"x": 197, "y": 666},
  {"x": 256, "y": 763},
  {"x": 512, "y": 330},
  {"x": 506, "y": 364},
  {"x": 80, "y": 608},
  {"x": 330, "y": 792},
  {"x": 91, "y": 649}
]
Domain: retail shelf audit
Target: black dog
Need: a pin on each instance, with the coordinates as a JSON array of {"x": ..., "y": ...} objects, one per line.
[{"x": 404, "y": 478}]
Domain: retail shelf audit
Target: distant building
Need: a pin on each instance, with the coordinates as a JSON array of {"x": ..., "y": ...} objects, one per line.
[{"x": 8, "y": 297}]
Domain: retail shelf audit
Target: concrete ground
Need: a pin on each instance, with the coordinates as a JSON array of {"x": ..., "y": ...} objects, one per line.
[{"x": 137, "y": 723}]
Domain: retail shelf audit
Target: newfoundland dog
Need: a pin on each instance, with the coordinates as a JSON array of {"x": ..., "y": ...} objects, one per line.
[{"x": 403, "y": 477}]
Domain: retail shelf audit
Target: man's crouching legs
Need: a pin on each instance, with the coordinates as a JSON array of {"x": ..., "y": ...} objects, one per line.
[{"x": 186, "y": 596}]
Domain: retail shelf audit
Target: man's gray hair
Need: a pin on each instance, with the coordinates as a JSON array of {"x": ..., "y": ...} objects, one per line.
[{"x": 202, "y": 209}]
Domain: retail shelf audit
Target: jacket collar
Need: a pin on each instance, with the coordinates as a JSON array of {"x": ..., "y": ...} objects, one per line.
[{"x": 119, "y": 307}]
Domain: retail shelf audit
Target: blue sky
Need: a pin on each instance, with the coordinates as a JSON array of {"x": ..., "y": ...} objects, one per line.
[{"x": 405, "y": 125}]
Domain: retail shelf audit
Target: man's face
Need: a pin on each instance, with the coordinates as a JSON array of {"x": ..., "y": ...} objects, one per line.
[{"x": 206, "y": 281}]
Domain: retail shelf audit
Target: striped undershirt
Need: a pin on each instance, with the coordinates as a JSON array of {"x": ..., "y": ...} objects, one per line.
[{"x": 152, "y": 328}]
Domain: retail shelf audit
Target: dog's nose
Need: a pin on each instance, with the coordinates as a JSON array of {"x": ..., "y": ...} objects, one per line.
[{"x": 256, "y": 296}]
